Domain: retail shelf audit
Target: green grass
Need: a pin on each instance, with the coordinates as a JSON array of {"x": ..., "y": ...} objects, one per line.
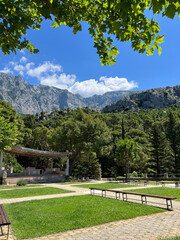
[
  {"x": 164, "y": 191},
  {"x": 17, "y": 193},
  {"x": 76, "y": 182},
  {"x": 43, "y": 217},
  {"x": 15, "y": 186},
  {"x": 156, "y": 183},
  {"x": 105, "y": 185},
  {"x": 175, "y": 238}
]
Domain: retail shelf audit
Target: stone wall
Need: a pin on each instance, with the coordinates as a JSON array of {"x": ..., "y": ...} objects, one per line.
[{"x": 37, "y": 179}]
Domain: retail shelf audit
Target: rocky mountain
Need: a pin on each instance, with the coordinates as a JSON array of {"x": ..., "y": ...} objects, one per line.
[
  {"x": 100, "y": 101},
  {"x": 153, "y": 98},
  {"x": 32, "y": 99}
]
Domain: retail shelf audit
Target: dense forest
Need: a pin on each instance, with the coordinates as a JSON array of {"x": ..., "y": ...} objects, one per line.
[{"x": 117, "y": 144}]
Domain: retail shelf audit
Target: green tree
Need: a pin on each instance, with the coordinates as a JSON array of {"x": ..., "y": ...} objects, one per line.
[
  {"x": 161, "y": 153},
  {"x": 124, "y": 20},
  {"x": 11, "y": 161},
  {"x": 9, "y": 114},
  {"x": 173, "y": 135},
  {"x": 8, "y": 134},
  {"x": 125, "y": 154},
  {"x": 39, "y": 138},
  {"x": 81, "y": 134},
  {"x": 140, "y": 163},
  {"x": 87, "y": 166}
]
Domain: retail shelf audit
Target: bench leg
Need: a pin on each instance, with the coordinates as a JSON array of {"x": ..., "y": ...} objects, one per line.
[
  {"x": 8, "y": 232},
  {"x": 2, "y": 231},
  {"x": 124, "y": 196},
  {"x": 143, "y": 199},
  {"x": 169, "y": 203}
]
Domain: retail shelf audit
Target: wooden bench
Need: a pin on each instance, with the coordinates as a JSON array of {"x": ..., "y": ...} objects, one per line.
[
  {"x": 4, "y": 220},
  {"x": 177, "y": 183},
  {"x": 103, "y": 192},
  {"x": 125, "y": 196},
  {"x": 145, "y": 195}
]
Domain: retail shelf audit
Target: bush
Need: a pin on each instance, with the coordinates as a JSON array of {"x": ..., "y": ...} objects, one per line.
[
  {"x": 134, "y": 174},
  {"x": 120, "y": 177},
  {"x": 72, "y": 179},
  {"x": 21, "y": 183}
]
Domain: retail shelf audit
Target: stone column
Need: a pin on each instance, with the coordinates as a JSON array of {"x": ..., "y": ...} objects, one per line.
[
  {"x": 51, "y": 165},
  {"x": 145, "y": 175},
  {"x": 166, "y": 175},
  {"x": 1, "y": 159},
  {"x": 67, "y": 167}
]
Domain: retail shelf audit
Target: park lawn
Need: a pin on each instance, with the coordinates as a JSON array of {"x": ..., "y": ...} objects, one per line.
[
  {"x": 69, "y": 183},
  {"x": 16, "y": 186},
  {"x": 43, "y": 217},
  {"x": 105, "y": 185},
  {"x": 163, "y": 191},
  {"x": 157, "y": 183},
  {"x": 175, "y": 238},
  {"x": 17, "y": 193}
]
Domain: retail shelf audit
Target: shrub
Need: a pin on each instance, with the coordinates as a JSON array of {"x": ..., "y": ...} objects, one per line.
[
  {"x": 134, "y": 174},
  {"x": 21, "y": 183}
]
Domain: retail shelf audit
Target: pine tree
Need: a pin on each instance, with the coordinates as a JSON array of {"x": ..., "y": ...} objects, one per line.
[
  {"x": 160, "y": 151},
  {"x": 173, "y": 135}
]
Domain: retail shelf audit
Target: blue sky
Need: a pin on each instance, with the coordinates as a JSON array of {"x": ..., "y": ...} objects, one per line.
[{"x": 70, "y": 62}]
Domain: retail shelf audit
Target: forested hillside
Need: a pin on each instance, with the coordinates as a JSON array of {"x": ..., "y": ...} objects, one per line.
[{"x": 145, "y": 141}]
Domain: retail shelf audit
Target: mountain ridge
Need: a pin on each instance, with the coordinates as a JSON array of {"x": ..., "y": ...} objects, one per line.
[
  {"x": 152, "y": 98},
  {"x": 32, "y": 99}
]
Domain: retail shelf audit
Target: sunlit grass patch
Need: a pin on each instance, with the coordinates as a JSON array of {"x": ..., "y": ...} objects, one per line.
[
  {"x": 105, "y": 185},
  {"x": 15, "y": 186},
  {"x": 17, "y": 193},
  {"x": 43, "y": 217}
]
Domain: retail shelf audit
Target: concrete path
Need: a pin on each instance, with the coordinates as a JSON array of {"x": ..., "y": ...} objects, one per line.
[{"x": 151, "y": 227}]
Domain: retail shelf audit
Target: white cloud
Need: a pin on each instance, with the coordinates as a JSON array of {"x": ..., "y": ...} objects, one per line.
[
  {"x": 90, "y": 87},
  {"x": 62, "y": 81},
  {"x": 7, "y": 70},
  {"x": 23, "y": 60},
  {"x": 19, "y": 68},
  {"x": 22, "y": 51},
  {"x": 48, "y": 73},
  {"x": 46, "y": 67},
  {"x": 13, "y": 63}
]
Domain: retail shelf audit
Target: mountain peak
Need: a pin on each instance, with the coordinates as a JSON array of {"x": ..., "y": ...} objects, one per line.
[
  {"x": 152, "y": 98},
  {"x": 32, "y": 99}
]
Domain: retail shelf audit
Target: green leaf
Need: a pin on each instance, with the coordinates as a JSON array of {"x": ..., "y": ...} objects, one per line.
[
  {"x": 159, "y": 50},
  {"x": 170, "y": 11},
  {"x": 159, "y": 39}
]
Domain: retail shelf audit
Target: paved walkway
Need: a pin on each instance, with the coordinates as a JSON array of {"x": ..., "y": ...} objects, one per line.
[
  {"x": 140, "y": 228},
  {"x": 151, "y": 227}
]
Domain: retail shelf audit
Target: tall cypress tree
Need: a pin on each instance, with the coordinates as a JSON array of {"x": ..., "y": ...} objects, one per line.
[
  {"x": 160, "y": 151},
  {"x": 173, "y": 135},
  {"x": 123, "y": 130}
]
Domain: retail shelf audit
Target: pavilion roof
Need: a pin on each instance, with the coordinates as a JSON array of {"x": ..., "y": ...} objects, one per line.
[{"x": 36, "y": 153}]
